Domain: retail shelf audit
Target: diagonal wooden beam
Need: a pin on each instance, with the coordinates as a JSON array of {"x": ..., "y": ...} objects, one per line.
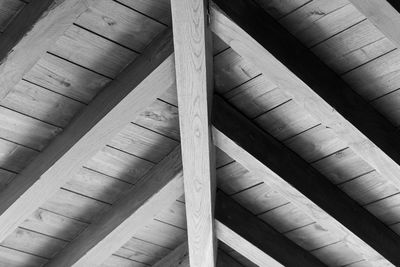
[
  {"x": 383, "y": 15},
  {"x": 31, "y": 33},
  {"x": 244, "y": 247},
  {"x": 158, "y": 189},
  {"x": 249, "y": 236},
  {"x": 312, "y": 85},
  {"x": 194, "y": 80},
  {"x": 302, "y": 185},
  {"x": 125, "y": 97},
  {"x": 258, "y": 242}
]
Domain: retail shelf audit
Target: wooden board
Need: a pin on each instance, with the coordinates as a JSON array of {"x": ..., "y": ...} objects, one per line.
[
  {"x": 92, "y": 51},
  {"x": 66, "y": 78},
  {"x": 107, "y": 102},
  {"x": 120, "y": 24},
  {"x": 194, "y": 82},
  {"x": 318, "y": 20},
  {"x": 162, "y": 185},
  {"x": 232, "y": 148},
  {"x": 30, "y": 35}
]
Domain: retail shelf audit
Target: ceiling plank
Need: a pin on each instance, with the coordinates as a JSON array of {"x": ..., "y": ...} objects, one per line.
[
  {"x": 311, "y": 84},
  {"x": 179, "y": 257},
  {"x": 125, "y": 97},
  {"x": 301, "y": 184},
  {"x": 383, "y": 15},
  {"x": 31, "y": 33},
  {"x": 258, "y": 242},
  {"x": 193, "y": 64},
  {"x": 158, "y": 189}
]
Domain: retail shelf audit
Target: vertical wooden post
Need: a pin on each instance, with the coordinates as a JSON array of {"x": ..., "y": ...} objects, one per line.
[{"x": 193, "y": 64}]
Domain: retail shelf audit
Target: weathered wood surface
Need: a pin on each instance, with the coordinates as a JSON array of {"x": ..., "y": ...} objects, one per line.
[
  {"x": 160, "y": 187},
  {"x": 317, "y": 203},
  {"x": 194, "y": 81},
  {"x": 30, "y": 34},
  {"x": 383, "y": 15},
  {"x": 87, "y": 134}
]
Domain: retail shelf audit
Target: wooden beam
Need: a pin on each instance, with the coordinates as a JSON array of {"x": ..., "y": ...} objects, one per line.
[
  {"x": 193, "y": 64},
  {"x": 302, "y": 185},
  {"x": 255, "y": 240},
  {"x": 125, "y": 97},
  {"x": 179, "y": 257},
  {"x": 244, "y": 247},
  {"x": 31, "y": 33},
  {"x": 158, "y": 189},
  {"x": 259, "y": 39},
  {"x": 249, "y": 236},
  {"x": 383, "y": 15}
]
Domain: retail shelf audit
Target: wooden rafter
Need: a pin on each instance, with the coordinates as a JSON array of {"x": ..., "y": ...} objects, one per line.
[
  {"x": 31, "y": 33},
  {"x": 258, "y": 242},
  {"x": 133, "y": 90},
  {"x": 302, "y": 185},
  {"x": 193, "y": 64},
  {"x": 254, "y": 239},
  {"x": 383, "y": 15},
  {"x": 312, "y": 85},
  {"x": 158, "y": 189}
]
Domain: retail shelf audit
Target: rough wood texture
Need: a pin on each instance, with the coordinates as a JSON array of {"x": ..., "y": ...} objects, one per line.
[
  {"x": 383, "y": 15},
  {"x": 255, "y": 240},
  {"x": 31, "y": 33},
  {"x": 117, "y": 105},
  {"x": 328, "y": 98},
  {"x": 194, "y": 80},
  {"x": 158, "y": 189},
  {"x": 322, "y": 94},
  {"x": 271, "y": 157}
]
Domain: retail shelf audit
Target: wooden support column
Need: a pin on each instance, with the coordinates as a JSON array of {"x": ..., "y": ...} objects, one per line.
[{"x": 193, "y": 64}]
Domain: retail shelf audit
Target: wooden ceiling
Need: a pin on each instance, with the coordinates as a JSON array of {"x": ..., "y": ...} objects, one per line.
[{"x": 288, "y": 116}]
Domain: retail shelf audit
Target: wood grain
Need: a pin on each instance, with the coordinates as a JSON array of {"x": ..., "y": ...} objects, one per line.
[
  {"x": 315, "y": 87},
  {"x": 194, "y": 80},
  {"x": 30, "y": 34},
  {"x": 161, "y": 186},
  {"x": 232, "y": 136},
  {"x": 133, "y": 90},
  {"x": 255, "y": 240}
]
